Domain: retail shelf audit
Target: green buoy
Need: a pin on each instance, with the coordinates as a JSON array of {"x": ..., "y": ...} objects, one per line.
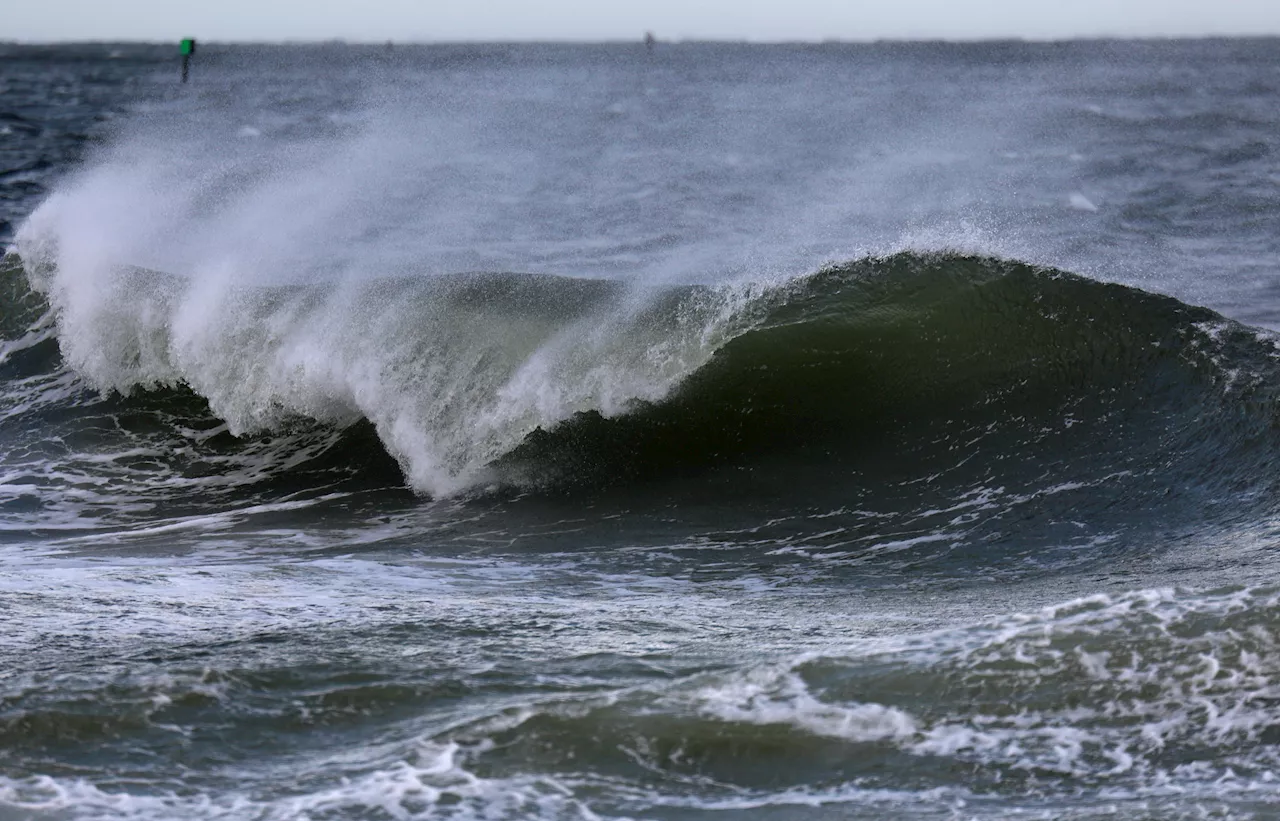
[{"x": 186, "y": 48}]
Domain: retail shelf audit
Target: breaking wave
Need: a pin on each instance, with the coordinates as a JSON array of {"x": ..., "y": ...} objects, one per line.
[{"x": 484, "y": 380}]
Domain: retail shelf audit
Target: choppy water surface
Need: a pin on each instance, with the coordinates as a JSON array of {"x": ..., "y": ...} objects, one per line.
[{"x": 881, "y": 431}]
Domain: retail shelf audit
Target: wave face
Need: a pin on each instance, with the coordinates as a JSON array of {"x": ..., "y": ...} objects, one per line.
[
  {"x": 831, "y": 361},
  {"x": 876, "y": 368}
]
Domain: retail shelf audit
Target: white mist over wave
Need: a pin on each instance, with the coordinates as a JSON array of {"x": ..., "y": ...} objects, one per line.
[
  {"x": 452, "y": 373},
  {"x": 298, "y": 282},
  {"x": 300, "y": 267}
]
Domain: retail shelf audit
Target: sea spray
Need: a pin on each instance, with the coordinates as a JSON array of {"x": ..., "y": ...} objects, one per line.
[{"x": 452, "y": 371}]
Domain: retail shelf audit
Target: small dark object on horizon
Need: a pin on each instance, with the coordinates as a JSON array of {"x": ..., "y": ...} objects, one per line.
[{"x": 186, "y": 48}]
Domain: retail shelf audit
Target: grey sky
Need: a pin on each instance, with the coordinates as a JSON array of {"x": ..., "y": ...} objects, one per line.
[{"x": 601, "y": 20}]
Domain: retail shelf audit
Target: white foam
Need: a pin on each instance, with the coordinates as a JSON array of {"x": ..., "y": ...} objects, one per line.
[
  {"x": 427, "y": 782},
  {"x": 775, "y": 694}
]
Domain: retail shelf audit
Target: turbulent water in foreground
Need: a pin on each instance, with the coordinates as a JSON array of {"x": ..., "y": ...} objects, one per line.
[{"x": 582, "y": 432}]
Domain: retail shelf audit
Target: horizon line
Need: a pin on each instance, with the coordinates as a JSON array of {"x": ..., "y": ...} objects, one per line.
[{"x": 692, "y": 40}]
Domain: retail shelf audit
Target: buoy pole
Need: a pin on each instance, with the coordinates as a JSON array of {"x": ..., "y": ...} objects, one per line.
[{"x": 186, "y": 48}]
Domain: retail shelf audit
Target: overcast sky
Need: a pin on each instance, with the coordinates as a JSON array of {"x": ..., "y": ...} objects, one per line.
[{"x": 428, "y": 20}]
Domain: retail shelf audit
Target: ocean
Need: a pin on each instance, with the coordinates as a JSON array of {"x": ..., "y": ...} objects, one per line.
[{"x": 555, "y": 431}]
